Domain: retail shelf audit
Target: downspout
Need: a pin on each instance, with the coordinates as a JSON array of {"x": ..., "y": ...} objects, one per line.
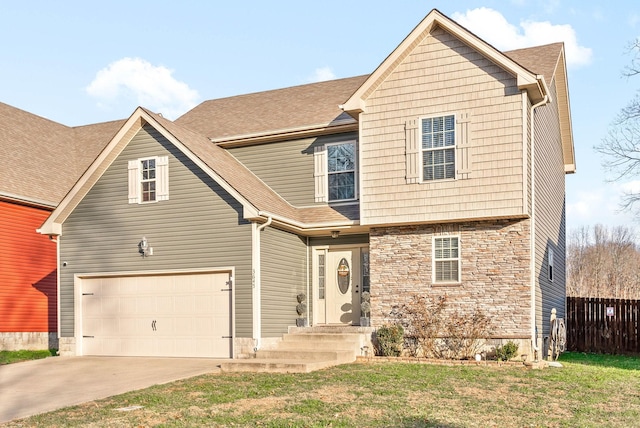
[
  {"x": 534, "y": 340},
  {"x": 308, "y": 283},
  {"x": 256, "y": 283}
]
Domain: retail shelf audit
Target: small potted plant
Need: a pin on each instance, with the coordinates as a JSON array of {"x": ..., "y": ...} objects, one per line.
[
  {"x": 301, "y": 309},
  {"x": 365, "y": 309}
]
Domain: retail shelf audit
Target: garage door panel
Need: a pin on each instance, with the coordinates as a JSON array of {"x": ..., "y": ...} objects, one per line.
[{"x": 174, "y": 316}]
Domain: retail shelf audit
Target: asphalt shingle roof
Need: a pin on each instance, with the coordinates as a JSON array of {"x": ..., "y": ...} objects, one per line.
[
  {"x": 538, "y": 59},
  {"x": 40, "y": 159},
  {"x": 264, "y": 112}
]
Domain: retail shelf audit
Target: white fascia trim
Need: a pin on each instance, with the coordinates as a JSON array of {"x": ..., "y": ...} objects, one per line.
[
  {"x": 307, "y": 226},
  {"x": 246, "y": 205},
  {"x": 278, "y": 134},
  {"x": 50, "y": 228},
  {"x": 525, "y": 79},
  {"x": 54, "y": 221},
  {"x": 27, "y": 200}
]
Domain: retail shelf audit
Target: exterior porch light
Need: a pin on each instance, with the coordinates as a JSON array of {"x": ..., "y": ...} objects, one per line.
[
  {"x": 335, "y": 233},
  {"x": 144, "y": 248}
]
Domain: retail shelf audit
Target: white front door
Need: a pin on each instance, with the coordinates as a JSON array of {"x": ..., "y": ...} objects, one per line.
[{"x": 343, "y": 286}]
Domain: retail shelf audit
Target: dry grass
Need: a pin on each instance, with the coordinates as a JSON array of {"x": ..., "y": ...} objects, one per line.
[{"x": 588, "y": 392}]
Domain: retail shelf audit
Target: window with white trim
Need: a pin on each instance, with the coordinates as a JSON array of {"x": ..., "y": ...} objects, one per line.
[
  {"x": 149, "y": 179},
  {"x": 341, "y": 171},
  {"x": 438, "y": 148},
  {"x": 446, "y": 259}
]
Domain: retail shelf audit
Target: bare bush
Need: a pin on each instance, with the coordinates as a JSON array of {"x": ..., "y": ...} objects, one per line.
[
  {"x": 464, "y": 335},
  {"x": 423, "y": 321},
  {"x": 433, "y": 330}
]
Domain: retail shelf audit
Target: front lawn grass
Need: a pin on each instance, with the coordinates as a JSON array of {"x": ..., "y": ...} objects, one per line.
[
  {"x": 589, "y": 391},
  {"x": 9, "y": 357}
]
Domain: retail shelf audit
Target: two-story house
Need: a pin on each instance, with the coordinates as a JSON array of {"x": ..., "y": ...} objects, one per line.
[{"x": 441, "y": 173}]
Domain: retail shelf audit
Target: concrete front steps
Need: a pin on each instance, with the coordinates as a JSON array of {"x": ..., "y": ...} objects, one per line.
[{"x": 306, "y": 349}]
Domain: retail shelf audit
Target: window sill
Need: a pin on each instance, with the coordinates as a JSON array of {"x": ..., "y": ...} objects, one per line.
[
  {"x": 446, "y": 284},
  {"x": 343, "y": 202},
  {"x": 442, "y": 180}
]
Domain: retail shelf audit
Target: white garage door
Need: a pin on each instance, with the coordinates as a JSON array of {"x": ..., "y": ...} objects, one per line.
[{"x": 165, "y": 315}]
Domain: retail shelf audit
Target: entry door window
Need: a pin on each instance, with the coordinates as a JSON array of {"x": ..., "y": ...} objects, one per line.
[{"x": 344, "y": 276}]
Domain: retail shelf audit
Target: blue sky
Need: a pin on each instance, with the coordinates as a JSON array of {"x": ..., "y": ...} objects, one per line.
[{"x": 80, "y": 62}]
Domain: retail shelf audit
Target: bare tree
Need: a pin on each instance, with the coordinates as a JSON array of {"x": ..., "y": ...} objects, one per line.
[
  {"x": 621, "y": 146},
  {"x": 603, "y": 262}
]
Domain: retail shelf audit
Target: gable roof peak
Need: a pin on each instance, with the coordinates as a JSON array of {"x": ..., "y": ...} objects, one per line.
[{"x": 526, "y": 80}]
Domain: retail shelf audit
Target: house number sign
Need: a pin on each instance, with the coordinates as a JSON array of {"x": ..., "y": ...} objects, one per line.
[
  {"x": 610, "y": 311},
  {"x": 343, "y": 276}
]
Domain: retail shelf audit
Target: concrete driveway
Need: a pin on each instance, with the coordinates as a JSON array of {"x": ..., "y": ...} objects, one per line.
[{"x": 39, "y": 386}]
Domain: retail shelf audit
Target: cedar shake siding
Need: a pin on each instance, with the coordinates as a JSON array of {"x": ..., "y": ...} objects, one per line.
[
  {"x": 495, "y": 272},
  {"x": 444, "y": 76},
  {"x": 200, "y": 226}
]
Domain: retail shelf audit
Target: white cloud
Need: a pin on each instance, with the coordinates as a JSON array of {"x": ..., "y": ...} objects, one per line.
[
  {"x": 494, "y": 28},
  {"x": 631, "y": 186},
  {"x": 600, "y": 205},
  {"x": 147, "y": 85},
  {"x": 321, "y": 74}
]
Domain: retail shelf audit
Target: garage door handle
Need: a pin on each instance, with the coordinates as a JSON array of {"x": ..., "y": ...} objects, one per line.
[
  {"x": 227, "y": 337},
  {"x": 153, "y": 325}
]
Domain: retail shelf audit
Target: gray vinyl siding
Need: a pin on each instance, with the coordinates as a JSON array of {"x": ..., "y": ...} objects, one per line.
[
  {"x": 200, "y": 226},
  {"x": 550, "y": 214},
  {"x": 287, "y": 167},
  {"x": 283, "y": 275}
]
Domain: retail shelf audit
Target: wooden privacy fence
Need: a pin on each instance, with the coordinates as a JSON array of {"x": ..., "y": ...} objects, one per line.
[{"x": 607, "y": 326}]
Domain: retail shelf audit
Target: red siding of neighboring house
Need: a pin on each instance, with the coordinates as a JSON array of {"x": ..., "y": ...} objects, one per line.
[{"x": 28, "y": 291}]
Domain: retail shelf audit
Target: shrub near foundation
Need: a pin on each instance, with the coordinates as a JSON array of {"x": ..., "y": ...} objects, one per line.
[
  {"x": 389, "y": 339},
  {"x": 506, "y": 351},
  {"x": 434, "y": 330}
]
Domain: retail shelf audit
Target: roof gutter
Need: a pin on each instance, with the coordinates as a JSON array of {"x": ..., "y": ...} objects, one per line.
[
  {"x": 24, "y": 200},
  {"x": 335, "y": 127}
]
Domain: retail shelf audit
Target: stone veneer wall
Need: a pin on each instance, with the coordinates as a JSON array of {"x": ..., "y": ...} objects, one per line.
[
  {"x": 495, "y": 271},
  {"x": 32, "y": 341}
]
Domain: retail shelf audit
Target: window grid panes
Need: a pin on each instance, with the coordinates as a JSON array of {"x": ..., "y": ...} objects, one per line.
[
  {"x": 341, "y": 168},
  {"x": 148, "y": 181},
  {"x": 321, "y": 276},
  {"x": 447, "y": 259},
  {"x": 438, "y": 148},
  {"x": 365, "y": 271}
]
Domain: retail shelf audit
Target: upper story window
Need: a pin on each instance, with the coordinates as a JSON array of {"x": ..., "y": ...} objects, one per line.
[
  {"x": 446, "y": 259},
  {"x": 438, "y": 148},
  {"x": 149, "y": 179},
  {"x": 341, "y": 171}
]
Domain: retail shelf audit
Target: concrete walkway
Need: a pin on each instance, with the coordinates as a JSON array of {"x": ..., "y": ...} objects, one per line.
[{"x": 40, "y": 386}]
